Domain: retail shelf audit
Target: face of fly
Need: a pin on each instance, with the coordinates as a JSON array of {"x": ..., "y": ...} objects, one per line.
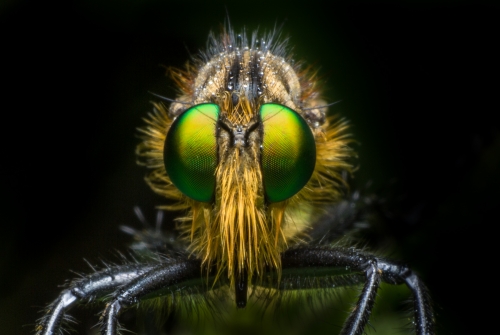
[{"x": 246, "y": 147}]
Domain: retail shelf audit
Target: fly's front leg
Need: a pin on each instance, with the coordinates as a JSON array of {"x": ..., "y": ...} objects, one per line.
[
  {"x": 160, "y": 277},
  {"x": 394, "y": 273},
  {"x": 359, "y": 317},
  {"x": 352, "y": 259},
  {"x": 88, "y": 288},
  {"x": 376, "y": 270}
]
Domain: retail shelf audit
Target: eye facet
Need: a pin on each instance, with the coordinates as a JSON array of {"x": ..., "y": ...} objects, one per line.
[
  {"x": 190, "y": 152},
  {"x": 288, "y": 152}
]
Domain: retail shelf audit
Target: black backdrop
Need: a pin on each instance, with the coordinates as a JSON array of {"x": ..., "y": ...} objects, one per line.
[{"x": 417, "y": 80}]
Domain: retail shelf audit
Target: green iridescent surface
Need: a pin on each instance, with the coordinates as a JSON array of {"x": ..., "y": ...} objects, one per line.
[
  {"x": 190, "y": 152},
  {"x": 288, "y": 152}
]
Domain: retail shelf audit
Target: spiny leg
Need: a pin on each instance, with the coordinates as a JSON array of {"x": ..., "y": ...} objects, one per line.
[
  {"x": 359, "y": 317},
  {"x": 354, "y": 261},
  {"x": 160, "y": 277},
  {"x": 90, "y": 287},
  {"x": 396, "y": 274},
  {"x": 375, "y": 270}
]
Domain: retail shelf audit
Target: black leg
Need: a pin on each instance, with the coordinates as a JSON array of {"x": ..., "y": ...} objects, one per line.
[
  {"x": 348, "y": 258},
  {"x": 88, "y": 288},
  {"x": 375, "y": 270},
  {"x": 394, "y": 273},
  {"x": 359, "y": 317},
  {"x": 160, "y": 277}
]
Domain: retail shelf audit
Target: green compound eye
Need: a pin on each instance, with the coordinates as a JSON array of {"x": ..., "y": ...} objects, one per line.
[
  {"x": 190, "y": 152},
  {"x": 288, "y": 152}
]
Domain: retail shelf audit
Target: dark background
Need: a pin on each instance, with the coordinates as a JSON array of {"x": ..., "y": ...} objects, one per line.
[{"x": 418, "y": 81}]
